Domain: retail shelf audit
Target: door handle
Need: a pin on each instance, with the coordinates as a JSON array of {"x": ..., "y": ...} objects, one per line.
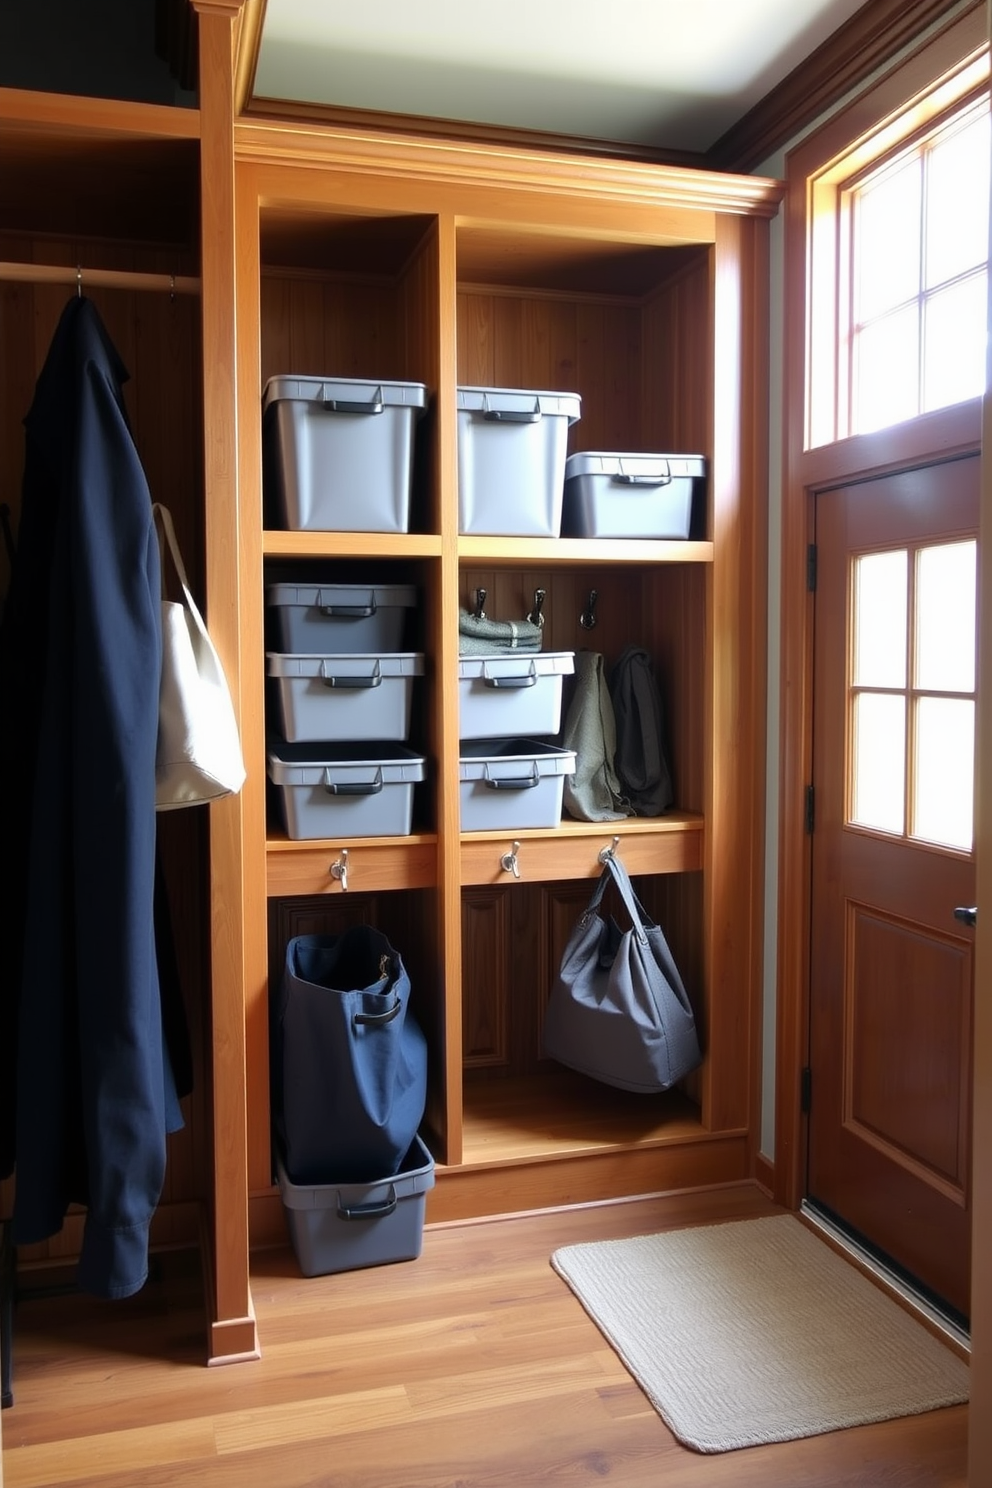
[{"x": 967, "y": 916}]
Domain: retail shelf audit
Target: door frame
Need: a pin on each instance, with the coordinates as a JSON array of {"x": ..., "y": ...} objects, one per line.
[
  {"x": 940, "y": 435},
  {"x": 803, "y": 473}
]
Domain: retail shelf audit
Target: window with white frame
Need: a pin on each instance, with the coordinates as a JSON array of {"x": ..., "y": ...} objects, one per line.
[
  {"x": 898, "y": 249},
  {"x": 918, "y": 242}
]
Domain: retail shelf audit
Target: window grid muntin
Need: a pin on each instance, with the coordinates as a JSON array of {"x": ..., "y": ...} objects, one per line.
[
  {"x": 912, "y": 693},
  {"x": 917, "y": 148}
]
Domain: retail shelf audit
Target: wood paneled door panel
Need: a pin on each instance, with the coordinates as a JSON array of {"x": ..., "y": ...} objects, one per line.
[{"x": 891, "y": 979}]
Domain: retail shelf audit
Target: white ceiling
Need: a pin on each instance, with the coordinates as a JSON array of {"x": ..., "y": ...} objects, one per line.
[{"x": 669, "y": 74}]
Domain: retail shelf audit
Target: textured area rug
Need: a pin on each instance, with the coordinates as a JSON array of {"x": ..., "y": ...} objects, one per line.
[{"x": 757, "y": 1331}]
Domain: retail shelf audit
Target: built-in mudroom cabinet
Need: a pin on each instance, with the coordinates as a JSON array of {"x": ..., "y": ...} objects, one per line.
[{"x": 327, "y": 252}]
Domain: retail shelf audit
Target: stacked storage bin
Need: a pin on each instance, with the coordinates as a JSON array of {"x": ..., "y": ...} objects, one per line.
[
  {"x": 338, "y": 456},
  {"x": 341, "y": 694},
  {"x": 511, "y": 469}
]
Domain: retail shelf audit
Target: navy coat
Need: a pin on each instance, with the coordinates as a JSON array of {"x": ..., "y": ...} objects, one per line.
[{"x": 87, "y": 1092}]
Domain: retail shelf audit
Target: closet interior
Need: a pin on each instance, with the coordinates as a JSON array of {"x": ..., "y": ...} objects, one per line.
[
  {"x": 335, "y": 253},
  {"x": 101, "y": 199}
]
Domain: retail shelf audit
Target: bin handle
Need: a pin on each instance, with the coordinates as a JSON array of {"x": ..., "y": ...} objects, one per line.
[
  {"x": 348, "y": 612},
  {"x": 350, "y": 405},
  {"x": 512, "y": 782},
  {"x": 663, "y": 478},
  {"x": 527, "y": 679},
  {"x": 375, "y": 680},
  {"x": 511, "y": 415},
  {"x": 357, "y": 788},
  {"x": 368, "y": 1211},
  {"x": 377, "y": 1020}
]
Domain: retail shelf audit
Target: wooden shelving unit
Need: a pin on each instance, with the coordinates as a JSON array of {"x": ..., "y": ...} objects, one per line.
[{"x": 338, "y": 252}]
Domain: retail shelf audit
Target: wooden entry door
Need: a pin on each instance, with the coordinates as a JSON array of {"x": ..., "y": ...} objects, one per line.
[{"x": 891, "y": 966}]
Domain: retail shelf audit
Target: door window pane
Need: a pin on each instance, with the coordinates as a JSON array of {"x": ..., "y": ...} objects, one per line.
[
  {"x": 943, "y": 798},
  {"x": 879, "y": 759},
  {"x": 954, "y": 338},
  {"x": 886, "y": 371},
  {"x": 888, "y": 212},
  {"x": 880, "y": 599},
  {"x": 957, "y": 237},
  {"x": 945, "y": 617}
]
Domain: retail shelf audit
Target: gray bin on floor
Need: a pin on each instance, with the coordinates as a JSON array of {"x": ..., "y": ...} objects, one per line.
[{"x": 347, "y": 1226}]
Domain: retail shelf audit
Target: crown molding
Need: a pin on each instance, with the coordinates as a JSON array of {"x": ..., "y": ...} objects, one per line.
[{"x": 873, "y": 36}]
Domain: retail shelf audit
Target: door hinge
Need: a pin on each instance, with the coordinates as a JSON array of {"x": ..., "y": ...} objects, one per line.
[
  {"x": 805, "y": 1090},
  {"x": 811, "y": 568},
  {"x": 810, "y": 808}
]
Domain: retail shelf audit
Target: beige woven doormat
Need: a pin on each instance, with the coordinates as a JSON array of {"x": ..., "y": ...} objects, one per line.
[{"x": 757, "y": 1331}]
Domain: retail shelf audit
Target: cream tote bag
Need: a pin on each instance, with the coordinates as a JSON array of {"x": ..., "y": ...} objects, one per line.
[{"x": 198, "y": 757}]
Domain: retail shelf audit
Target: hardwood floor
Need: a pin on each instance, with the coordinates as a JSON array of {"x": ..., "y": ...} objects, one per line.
[{"x": 471, "y": 1367}]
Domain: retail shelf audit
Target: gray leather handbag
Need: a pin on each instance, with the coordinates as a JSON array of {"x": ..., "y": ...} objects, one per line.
[{"x": 618, "y": 1010}]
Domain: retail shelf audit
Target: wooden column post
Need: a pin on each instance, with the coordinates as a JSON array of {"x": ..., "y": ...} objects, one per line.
[{"x": 232, "y": 1332}]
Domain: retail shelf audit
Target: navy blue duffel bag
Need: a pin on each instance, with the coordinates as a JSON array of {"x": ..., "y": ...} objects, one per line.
[{"x": 349, "y": 1065}]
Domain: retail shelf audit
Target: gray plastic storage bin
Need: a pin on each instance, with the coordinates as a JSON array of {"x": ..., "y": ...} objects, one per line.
[
  {"x": 327, "y": 619},
  {"x": 511, "y": 460},
  {"x": 506, "y": 784},
  {"x": 612, "y": 495},
  {"x": 347, "y": 1226},
  {"x": 342, "y": 790},
  {"x": 513, "y": 694},
  {"x": 339, "y": 451},
  {"x": 344, "y": 697}
]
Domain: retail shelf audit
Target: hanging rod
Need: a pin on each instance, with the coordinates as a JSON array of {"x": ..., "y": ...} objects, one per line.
[{"x": 83, "y": 278}]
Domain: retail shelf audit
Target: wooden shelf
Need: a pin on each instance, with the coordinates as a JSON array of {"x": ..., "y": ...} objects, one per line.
[
  {"x": 512, "y": 550},
  {"x": 558, "y": 1113},
  {"x": 277, "y": 544},
  {"x": 668, "y": 844},
  {"x": 374, "y": 863}
]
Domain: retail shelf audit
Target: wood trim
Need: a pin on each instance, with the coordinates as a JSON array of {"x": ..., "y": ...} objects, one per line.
[
  {"x": 980, "y": 1415},
  {"x": 230, "y": 1323},
  {"x": 470, "y": 166},
  {"x": 65, "y": 114},
  {"x": 497, "y": 137},
  {"x": 246, "y": 60},
  {"x": 870, "y": 39}
]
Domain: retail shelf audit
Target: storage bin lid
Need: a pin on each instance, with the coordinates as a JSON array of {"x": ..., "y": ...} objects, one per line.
[
  {"x": 518, "y": 405},
  {"x": 635, "y": 469},
  {"x": 510, "y": 665},
  {"x": 368, "y": 763},
  {"x": 501, "y": 759},
  {"x": 343, "y": 601},
  {"x": 354, "y": 667},
  {"x": 361, "y": 395}
]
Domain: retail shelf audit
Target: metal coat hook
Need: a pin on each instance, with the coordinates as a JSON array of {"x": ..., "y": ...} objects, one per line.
[
  {"x": 480, "y": 599},
  {"x": 508, "y": 862},
  {"x": 536, "y": 616},
  {"x": 339, "y": 870},
  {"x": 607, "y": 854},
  {"x": 588, "y": 617},
  {"x": 79, "y": 282}
]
